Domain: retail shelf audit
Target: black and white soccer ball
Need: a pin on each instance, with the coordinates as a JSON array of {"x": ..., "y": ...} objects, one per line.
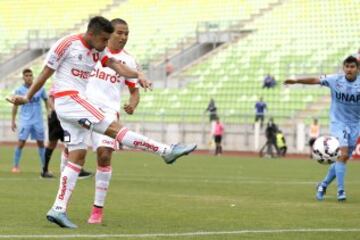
[{"x": 326, "y": 149}]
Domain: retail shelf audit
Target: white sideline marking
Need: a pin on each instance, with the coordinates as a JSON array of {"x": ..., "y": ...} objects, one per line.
[
  {"x": 179, "y": 180},
  {"x": 157, "y": 179},
  {"x": 187, "y": 234}
]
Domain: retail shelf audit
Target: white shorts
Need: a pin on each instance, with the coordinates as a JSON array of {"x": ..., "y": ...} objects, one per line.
[
  {"x": 100, "y": 140},
  {"x": 77, "y": 116}
]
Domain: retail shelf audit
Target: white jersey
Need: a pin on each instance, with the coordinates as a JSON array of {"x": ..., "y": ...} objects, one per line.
[
  {"x": 104, "y": 87},
  {"x": 73, "y": 61}
]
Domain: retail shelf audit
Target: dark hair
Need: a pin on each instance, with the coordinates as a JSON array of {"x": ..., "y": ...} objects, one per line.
[
  {"x": 100, "y": 24},
  {"x": 118, "y": 21},
  {"x": 26, "y": 70},
  {"x": 351, "y": 59}
]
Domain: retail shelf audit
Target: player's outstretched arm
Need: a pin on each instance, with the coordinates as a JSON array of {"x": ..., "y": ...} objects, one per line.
[
  {"x": 121, "y": 68},
  {"x": 307, "y": 80},
  {"x": 127, "y": 72},
  {"x": 45, "y": 74}
]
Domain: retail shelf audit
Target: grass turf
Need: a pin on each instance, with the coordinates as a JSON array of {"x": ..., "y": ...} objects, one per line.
[{"x": 198, "y": 193}]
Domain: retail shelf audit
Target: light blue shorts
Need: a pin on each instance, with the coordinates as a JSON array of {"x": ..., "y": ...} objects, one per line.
[
  {"x": 35, "y": 130},
  {"x": 347, "y": 134}
]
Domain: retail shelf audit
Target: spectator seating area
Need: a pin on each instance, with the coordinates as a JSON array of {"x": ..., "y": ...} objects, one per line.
[
  {"x": 18, "y": 18},
  {"x": 155, "y": 25}
]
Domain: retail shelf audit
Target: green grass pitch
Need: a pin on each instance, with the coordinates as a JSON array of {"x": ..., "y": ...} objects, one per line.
[{"x": 199, "y": 197}]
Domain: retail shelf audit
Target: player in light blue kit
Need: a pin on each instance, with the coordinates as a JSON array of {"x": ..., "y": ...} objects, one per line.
[
  {"x": 344, "y": 117},
  {"x": 30, "y": 119}
]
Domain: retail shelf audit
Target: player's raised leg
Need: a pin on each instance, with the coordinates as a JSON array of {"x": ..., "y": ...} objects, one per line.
[{"x": 135, "y": 140}]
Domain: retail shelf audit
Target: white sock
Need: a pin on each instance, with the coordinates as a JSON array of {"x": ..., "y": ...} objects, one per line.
[
  {"x": 68, "y": 180},
  {"x": 64, "y": 160},
  {"x": 102, "y": 182},
  {"x": 134, "y": 140}
]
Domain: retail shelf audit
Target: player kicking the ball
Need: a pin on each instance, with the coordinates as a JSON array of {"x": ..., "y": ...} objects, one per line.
[
  {"x": 345, "y": 119},
  {"x": 73, "y": 58}
]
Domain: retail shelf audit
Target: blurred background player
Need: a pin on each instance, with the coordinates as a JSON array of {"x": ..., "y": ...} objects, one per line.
[
  {"x": 314, "y": 133},
  {"x": 345, "y": 119},
  {"x": 106, "y": 94},
  {"x": 56, "y": 133},
  {"x": 260, "y": 110},
  {"x": 270, "y": 144},
  {"x": 30, "y": 120},
  {"x": 73, "y": 58},
  {"x": 218, "y": 133},
  {"x": 269, "y": 81},
  {"x": 281, "y": 143},
  {"x": 212, "y": 109}
]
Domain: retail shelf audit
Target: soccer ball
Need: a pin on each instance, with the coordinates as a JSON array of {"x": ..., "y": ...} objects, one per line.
[{"x": 326, "y": 149}]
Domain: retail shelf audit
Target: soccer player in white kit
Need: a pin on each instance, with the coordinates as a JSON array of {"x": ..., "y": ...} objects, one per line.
[
  {"x": 73, "y": 58},
  {"x": 104, "y": 90}
]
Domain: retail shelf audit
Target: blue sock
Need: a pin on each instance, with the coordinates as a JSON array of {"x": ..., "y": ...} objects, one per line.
[
  {"x": 330, "y": 176},
  {"x": 41, "y": 152},
  {"x": 340, "y": 169},
  {"x": 17, "y": 156}
]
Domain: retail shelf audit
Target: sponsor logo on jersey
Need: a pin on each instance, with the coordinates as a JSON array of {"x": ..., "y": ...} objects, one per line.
[
  {"x": 113, "y": 78},
  {"x": 80, "y": 73},
  {"x": 347, "y": 97}
]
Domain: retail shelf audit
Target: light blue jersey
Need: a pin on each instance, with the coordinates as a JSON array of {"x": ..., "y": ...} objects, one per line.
[
  {"x": 345, "y": 98},
  {"x": 31, "y": 113},
  {"x": 30, "y": 116},
  {"x": 345, "y": 109}
]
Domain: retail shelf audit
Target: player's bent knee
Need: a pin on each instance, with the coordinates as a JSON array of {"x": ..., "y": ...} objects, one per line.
[{"x": 113, "y": 129}]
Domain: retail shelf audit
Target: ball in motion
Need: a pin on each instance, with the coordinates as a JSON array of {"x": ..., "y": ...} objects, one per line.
[{"x": 326, "y": 149}]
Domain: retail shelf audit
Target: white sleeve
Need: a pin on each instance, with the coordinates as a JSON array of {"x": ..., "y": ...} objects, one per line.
[{"x": 57, "y": 53}]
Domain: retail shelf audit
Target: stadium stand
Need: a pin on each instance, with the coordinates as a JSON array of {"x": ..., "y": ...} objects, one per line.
[
  {"x": 17, "y": 20},
  {"x": 156, "y": 27},
  {"x": 233, "y": 75}
]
